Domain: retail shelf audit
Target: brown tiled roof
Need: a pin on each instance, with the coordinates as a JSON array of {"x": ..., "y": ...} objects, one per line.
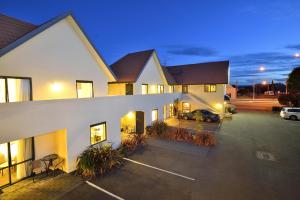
[
  {"x": 129, "y": 67},
  {"x": 12, "y": 29},
  {"x": 169, "y": 77},
  {"x": 201, "y": 73}
]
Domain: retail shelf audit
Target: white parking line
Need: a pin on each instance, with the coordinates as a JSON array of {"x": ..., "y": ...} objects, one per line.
[
  {"x": 162, "y": 170},
  {"x": 105, "y": 191}
]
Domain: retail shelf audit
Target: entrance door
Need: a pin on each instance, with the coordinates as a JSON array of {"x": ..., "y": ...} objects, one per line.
[{"x": 139, "y": 122}]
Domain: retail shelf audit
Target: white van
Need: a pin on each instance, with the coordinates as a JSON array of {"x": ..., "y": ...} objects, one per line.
[{"x": 292, "y": 113}]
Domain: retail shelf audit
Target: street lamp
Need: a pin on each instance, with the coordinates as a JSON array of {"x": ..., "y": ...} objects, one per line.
[
  {"x": 297, "y": 55},
  {"x": 261, "y": 69}
]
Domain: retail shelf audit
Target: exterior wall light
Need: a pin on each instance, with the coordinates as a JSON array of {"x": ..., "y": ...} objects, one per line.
[{"x": 56, "y": 87}]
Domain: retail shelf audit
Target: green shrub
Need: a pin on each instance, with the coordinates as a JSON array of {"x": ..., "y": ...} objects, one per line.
[
  {"x": 205, "y": 139},
  {"x": 96, "y": 160},
  {"x": 158, "y": 128}
]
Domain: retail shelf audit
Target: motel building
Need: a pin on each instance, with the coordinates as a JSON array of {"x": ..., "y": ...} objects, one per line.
[{"x": 58, "y": 96}]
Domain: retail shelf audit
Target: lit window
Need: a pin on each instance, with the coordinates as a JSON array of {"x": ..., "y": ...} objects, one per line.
[
  {"x": 160, "y": 89},
  {"x": 129, "y": 89},
  {"x": 152, "y": 89},
  {"x": 15, "y": 89},
  {"x": 154, "y": 115},
  {"x": 144, "y": 89},
  {"x": 210, "y": 88},
  {"x": 185, "y": 89},
  {"x": 171, "y": 88},
  {"x": 186, "y": 107},
  {"x": 84, "y": 89},
  {"x": 171, "y": 110},
  {"x": 98, "y": 133}
]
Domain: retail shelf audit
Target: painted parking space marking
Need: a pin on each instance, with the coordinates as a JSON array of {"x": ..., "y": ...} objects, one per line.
[
  {"x": 262, "y": 155},
  {"x": 159, "y": 169},
  {"x": 105, "y": 191}
]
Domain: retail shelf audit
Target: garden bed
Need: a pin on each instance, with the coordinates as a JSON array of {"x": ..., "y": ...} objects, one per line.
[{"x": 198, "y": 137}]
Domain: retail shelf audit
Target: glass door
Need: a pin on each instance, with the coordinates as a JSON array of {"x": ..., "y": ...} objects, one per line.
[{"x": 15, "y": 158}]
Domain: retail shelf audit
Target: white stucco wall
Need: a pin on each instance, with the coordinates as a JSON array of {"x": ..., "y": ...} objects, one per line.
[
  {"x": 28, "y": 119},
  {"x": 151, "y": 75},
  {"x": 202, "y": 99},
  {"x": 60, "y": 54}
]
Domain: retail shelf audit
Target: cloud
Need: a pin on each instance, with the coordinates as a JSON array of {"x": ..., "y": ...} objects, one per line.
[
  {"x": 244, "y": 67},
  {"x": 190, "y": 50},
  {"x": 293, "y": 47}
]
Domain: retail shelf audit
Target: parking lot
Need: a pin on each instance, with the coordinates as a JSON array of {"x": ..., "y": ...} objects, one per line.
[{"x": 233, "y": 169}]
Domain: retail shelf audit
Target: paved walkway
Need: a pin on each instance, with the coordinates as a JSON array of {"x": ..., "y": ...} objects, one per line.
[
  {"x": 47, "y": 188},
  {"x": 192, "y": 124}
]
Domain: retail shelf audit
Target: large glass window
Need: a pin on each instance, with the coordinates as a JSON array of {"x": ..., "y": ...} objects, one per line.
[
  {"x": 15, "y": 158},
  {"x": 144, "y": 88},
  {"x": 186, "y": 107},
  {"x": 15, "y": 89},
  {"x": 84, "y": 89},
  {"x": 154, "y": 115},
  {"x": 171, "y": 88},
  {"x": 210, "y": 88},
  {"x": 129, "y": 89},
  {"x": 185, "y": 89},
  {"x": 160, "y": 89},
  {"x": 98, "y": 133}
]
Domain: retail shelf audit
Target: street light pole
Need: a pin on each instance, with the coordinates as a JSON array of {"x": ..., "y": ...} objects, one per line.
[{"x": 253, "y": 96}]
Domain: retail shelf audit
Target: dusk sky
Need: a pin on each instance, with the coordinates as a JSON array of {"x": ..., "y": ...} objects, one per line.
[{"x": 247, "y": 33}]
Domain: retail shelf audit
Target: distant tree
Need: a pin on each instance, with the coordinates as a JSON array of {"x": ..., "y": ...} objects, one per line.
[
  {"x": 291, "y": 99},
  {"x": 293, "y": 81}
]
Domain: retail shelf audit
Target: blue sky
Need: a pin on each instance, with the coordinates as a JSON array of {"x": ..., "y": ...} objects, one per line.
[{"x": 248, "y": 33}]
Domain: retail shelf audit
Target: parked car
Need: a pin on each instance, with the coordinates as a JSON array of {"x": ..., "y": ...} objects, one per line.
[
  {"x": 290, "y": 113},
  {"x": 207, "y": 115}
]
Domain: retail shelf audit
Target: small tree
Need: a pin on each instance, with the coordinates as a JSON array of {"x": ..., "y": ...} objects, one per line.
[{"x": 293, "y": 81}]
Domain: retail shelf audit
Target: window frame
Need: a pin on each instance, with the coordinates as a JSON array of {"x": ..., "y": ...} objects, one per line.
[
  {"x": 187, "y": 89},
  {"x": 9, "y": 161},
  {"x": 172, "y": 88},
  {"x": 16, "y": 77},
  {"x": 85, "y": 81},
  {"x": 158, "y": 89},
  {"x": 131, "y": 85},
  {"x": 144, "y": 84},
  {"x": 97, "y": 124},
  {"x": 209, "y": 88}
]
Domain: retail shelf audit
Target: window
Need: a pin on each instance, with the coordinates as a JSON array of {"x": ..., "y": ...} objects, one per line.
[
  {"x": 15, "y": 89},
  {"x": 144, "y": 88},
  {"x": 186, "y": 107},
  {"x": 171, "y": 111},
  {"x": 15, "y": 157},
  {"x": 152, "y": 89},
  {"x": 160, "y": 89},
  {"x": 84, "y": 89},
  {"x": 171, "y": 88},
  {"x": 98, "y": 133},
  {"x": 129, "y": 89},
  {"x": 154, "y": 115},
  {"x": 185, "y": 89},
  {"x": 210, "y": 88}
]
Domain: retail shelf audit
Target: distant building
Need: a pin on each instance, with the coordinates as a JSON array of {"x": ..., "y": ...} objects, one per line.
[{"x": 231, "y": 91}]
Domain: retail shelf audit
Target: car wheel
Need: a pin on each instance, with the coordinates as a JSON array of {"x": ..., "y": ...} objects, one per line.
[{"x": 293, "y": 117}]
